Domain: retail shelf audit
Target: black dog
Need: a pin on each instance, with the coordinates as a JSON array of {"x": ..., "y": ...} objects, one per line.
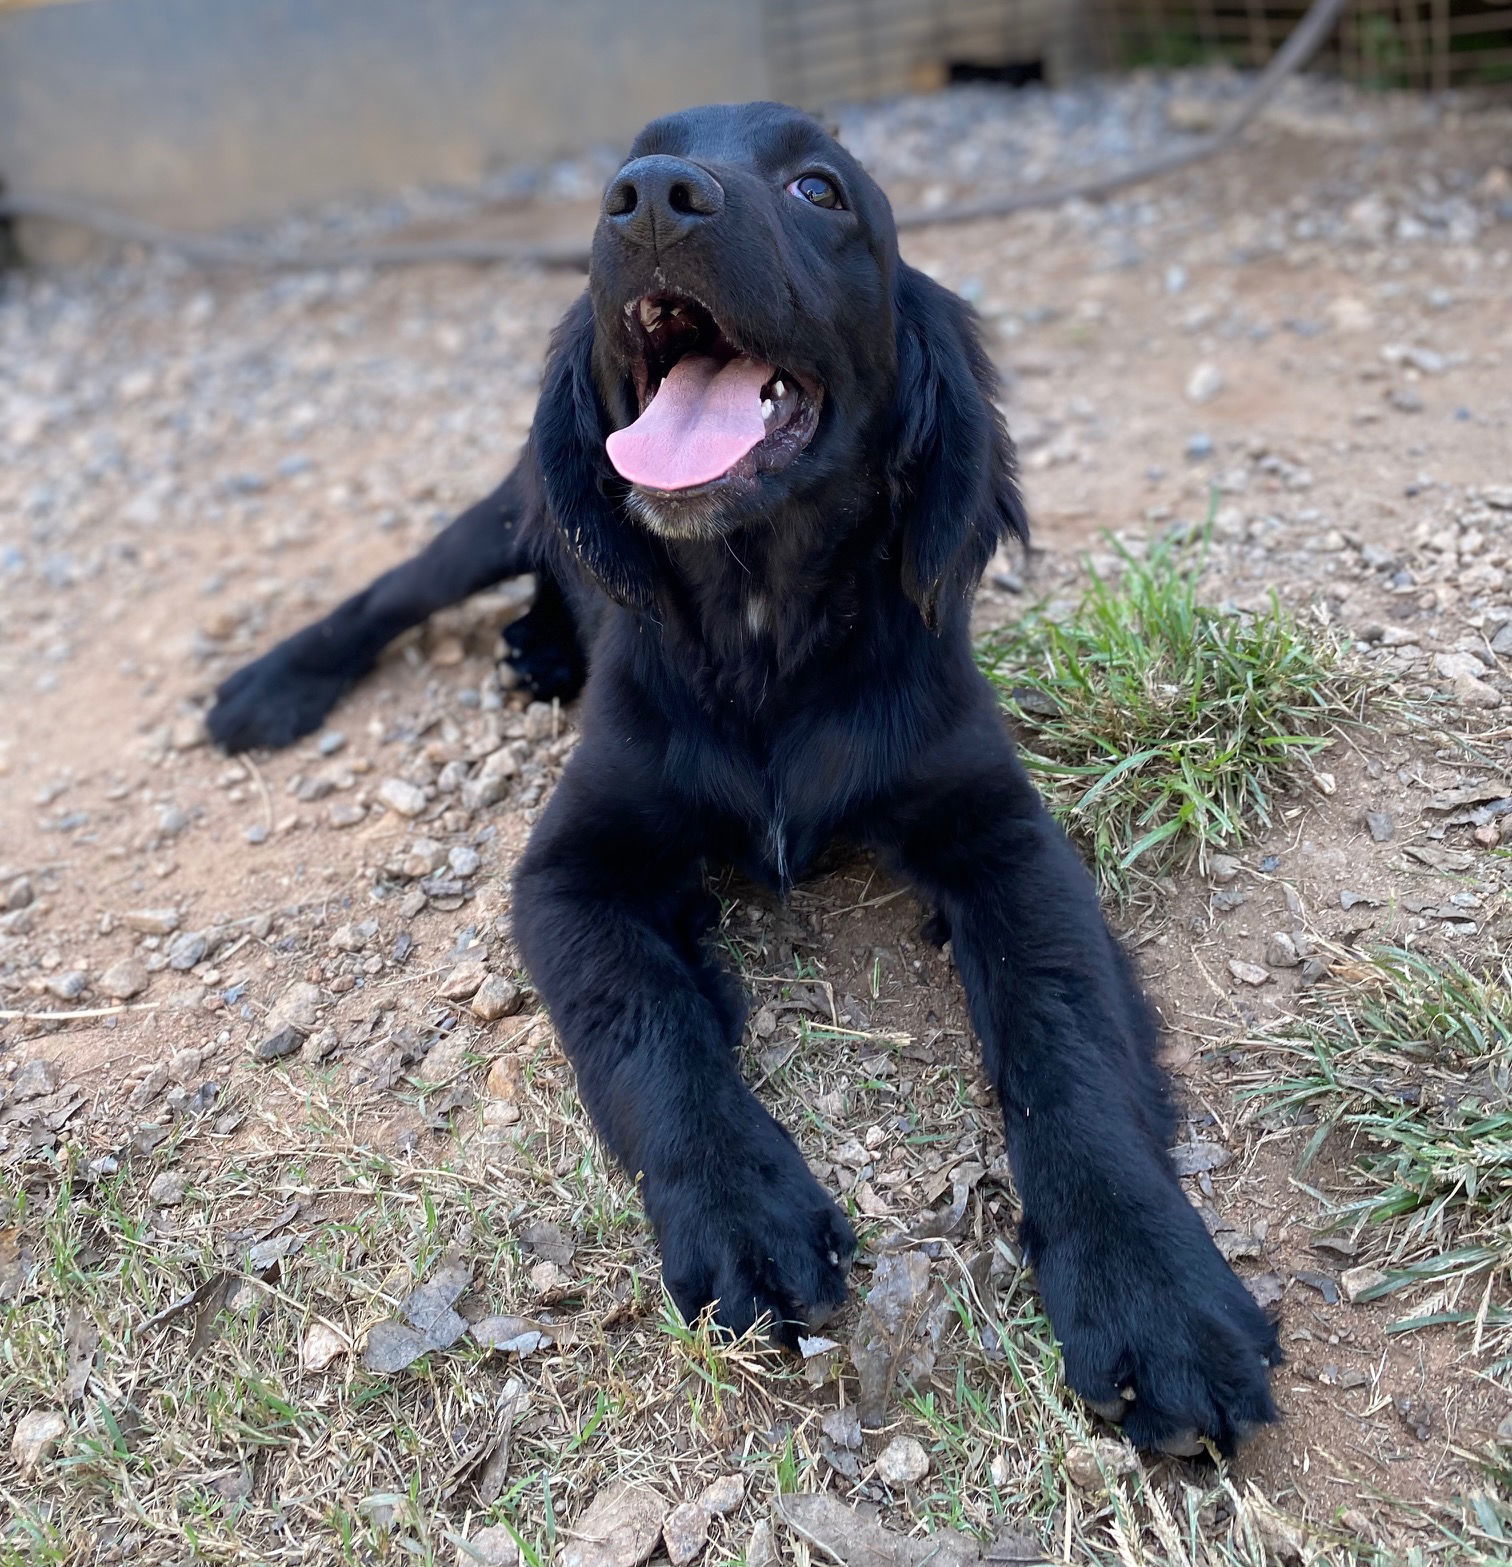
[{"x": 763, "y": 480}]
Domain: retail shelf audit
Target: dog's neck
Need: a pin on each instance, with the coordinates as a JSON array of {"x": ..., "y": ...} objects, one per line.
[{"x": 761, "y": 605}]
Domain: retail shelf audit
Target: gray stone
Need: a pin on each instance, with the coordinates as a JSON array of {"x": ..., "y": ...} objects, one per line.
[
  {"x": 1382, "y": 827},
  {"x": 276, "y": 1046},
  {"x": 186, "y": 949},
  {"x": 496, "y": 997},
  {"x": 123, "y": 980},
  {"x": 36, "y": 1078},
  {"x": 903, "y": 1462},
  {"x": 1281, "y": 950},
  {"x": 406, "y": 799}
]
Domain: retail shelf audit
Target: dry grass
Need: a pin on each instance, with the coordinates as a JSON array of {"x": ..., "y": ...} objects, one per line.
[
  {"x": 1407, "y": 1059},
  {"x": 203, "y": 1428}
]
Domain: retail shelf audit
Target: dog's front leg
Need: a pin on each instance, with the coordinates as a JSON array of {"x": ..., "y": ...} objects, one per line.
[
  {"x": 1156, "y": 1330},
  {"x": 608, "y": 915}
]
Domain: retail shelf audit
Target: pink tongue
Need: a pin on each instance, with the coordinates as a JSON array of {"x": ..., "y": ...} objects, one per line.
[{"x": 704, "y": 418}]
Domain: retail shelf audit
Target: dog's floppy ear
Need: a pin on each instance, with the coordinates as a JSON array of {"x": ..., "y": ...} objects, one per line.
[
  {"x": 567, "y": 439},
  {"x": 952, "y": 472}
]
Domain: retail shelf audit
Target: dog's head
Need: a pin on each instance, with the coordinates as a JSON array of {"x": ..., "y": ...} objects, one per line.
[{"x": 750, "y": 339}]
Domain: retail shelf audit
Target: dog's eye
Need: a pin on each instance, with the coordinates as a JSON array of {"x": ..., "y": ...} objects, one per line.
[{"x": 816, "y": 189}]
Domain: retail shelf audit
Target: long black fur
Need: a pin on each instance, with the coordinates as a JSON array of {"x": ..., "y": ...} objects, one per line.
[{"x": 774, "y": 667}]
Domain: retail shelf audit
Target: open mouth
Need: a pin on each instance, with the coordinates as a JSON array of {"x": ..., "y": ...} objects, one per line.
[{"x": 710, "y": 411}]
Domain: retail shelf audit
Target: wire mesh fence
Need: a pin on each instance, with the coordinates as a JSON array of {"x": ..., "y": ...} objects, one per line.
[{"x": 825, "y": 51}]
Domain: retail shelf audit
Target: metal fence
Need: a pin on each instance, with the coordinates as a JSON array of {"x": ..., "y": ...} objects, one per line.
[
  {"x": 829, "y": 51},
  {"x": 1379, "y": 43}
]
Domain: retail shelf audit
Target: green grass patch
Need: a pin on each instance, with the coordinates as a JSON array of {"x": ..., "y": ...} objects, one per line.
[
  {"x": 1411, "y": 1059},
  {"x": 1160, "y": 727}
]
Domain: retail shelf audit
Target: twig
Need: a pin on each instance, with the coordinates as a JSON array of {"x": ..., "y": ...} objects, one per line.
[
  {"x": 262, "y": 789},
  {"x": 1304, "y": 41},
  {"x": 67, "y": 1017}
]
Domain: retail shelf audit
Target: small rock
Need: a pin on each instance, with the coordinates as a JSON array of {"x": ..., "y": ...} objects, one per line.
[
  {"x": 1380, "y": 824},
  {"x": 37, "y": 1435},
  {"x": 1224, "y": 868},
  {"x": 463, "y": 861},
  {"x": 685, "y": 1533},
  {"x": 298, "y": 1007},
  {"x": 1085, "y": 1464},
  {"x": 506, "y": 1077},
  {"x": 186, "y": 949},
  {"x": 345, "y": 813},
  {"x": 491, "y": 1547},
  {"x": 463, "y": 982},
  {"x": 1414, "y": 1414},
  {"x": 496, "y": 997},
  {"x": 1204, "y": 383},
  {"x": 1313, "y": 969},
  {"x": 20, "y": 893},
  {"x": 723, "y": 1495},
  {"x": 406, "y": 799},
  {"x": 620, "y": 1528},
  {"x": 152, "y": 922},
  {"x": 903, "y": 1462},
  {"x": 1248, "y": 973},
  {"x": 1359, "y": 1281},
  {"x": 1281, "y": 950},
  {"x": 352, "y": 937},
  {"x": 36, "y": 1078},
  {"x": 480, "y": 793},
  {"x": 150, "y": 1087},
  {"x": 1471, "y": 691},
  {"x": 69, "y": 985},
  {"x": 284, "y": 1043},
  {"x": 540, "y": 721},
  {"x": 123, "y": 980},
  {"x": 1454, "y": 665},
  {"x": 167, "y": 1189}
]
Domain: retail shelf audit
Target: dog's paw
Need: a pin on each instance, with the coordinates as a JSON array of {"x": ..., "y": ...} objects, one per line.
[
  {"x": 545, "y": 656},
  {"x": 1156, "y": 1331},
  {"x": 272, "y": 702},
  {"x": 755, "y": 1235}
]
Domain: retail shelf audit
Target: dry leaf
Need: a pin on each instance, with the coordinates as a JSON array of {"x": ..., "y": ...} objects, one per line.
[
  {"x": 893, "y": 1308},
  {"x": 322, "y": 1344},
  {"x": 391, "y": 1346}
]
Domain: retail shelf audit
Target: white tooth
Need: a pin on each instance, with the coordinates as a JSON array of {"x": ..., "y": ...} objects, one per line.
[
  {"x": 768, "y": 408},
  {"x": 779, "y": 388}
]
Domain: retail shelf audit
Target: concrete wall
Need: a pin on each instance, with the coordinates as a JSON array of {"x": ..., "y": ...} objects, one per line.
[{"x": 202, "y": 113}]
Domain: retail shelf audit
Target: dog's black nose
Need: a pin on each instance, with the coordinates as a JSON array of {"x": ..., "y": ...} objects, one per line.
[{"x": 659, "y": 200}]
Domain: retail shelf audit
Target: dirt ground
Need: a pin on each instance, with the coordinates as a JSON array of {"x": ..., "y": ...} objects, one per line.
[{"x": 1318, "y": 325}]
